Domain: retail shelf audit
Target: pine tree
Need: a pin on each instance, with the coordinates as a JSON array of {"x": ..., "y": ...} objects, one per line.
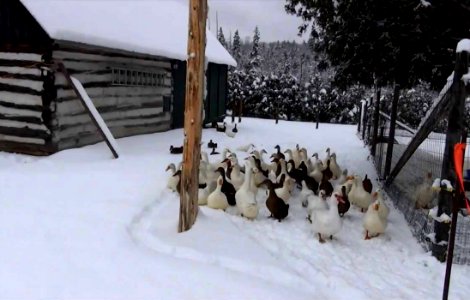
[
  {"x": 394, "y": 40},
  {"x": 221, "y": 38},
  {"x": 255, "y": 58},
  {"x": 236, "y": 47}
]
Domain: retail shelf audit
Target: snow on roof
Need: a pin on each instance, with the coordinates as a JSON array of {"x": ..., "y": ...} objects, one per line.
[
  {"x": 463, "y": 45},
  {"x": 148, "y": 27}
]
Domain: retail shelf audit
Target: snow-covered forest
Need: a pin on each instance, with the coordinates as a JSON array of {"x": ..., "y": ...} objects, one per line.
[{"x": 313, "y": 80}]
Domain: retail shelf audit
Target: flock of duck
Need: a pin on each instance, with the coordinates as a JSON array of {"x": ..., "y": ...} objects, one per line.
[{"x": 326, "y": 191}]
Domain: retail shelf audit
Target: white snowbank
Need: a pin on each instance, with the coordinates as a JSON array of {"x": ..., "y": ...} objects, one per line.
[
  {"x": 78, "y": 225},
  {"x": 148, "y": 27}
]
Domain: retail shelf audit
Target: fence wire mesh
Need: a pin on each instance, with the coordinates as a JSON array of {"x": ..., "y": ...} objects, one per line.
[{"x": 402, "y": 192}]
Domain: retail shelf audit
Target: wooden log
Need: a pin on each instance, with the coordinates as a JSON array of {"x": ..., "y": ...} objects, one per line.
[
  {"x": 67, "y": 56},
  {"x": 72, "y": 108},
  {"x": 193, "y": 114},
  {"x": 20, "y": 63},
  {"x": 121, "y": 91},
  {"x": 87, "y": 138},
  {"x": 23, "y": 119},
  {"x": 31, "y": 146},
  {"x": 72, "y": 130},
  {"x": 19, "y": 99},
  {"x": 18, "y": 71},
  {"x": 131, "y": 114},
  {"x": 95, "y": 122},
  {"x": 36, "y": 85},
  {"x": 19, "y": 89},
  {"x": 21, "y": 56},
  {"x": 33, "y": 76},
  {"x": 20, "y": 110},
  {"x": 105, "y": 51},
  {"x": 24, "y": 132}
]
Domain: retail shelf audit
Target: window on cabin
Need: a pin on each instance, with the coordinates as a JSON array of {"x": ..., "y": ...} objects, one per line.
[{"x": 129, "y": 77}]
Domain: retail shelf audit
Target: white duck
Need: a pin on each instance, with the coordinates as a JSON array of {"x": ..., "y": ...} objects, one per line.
[
  {"x": 305, "y": 193},
  {"x": 316, "y": 202},
  {"x": 258, "y": 176},
  {"x": 245, "y": 148},
  {"x": 202, "y": 195},
  {"x": 327, "y": 222},
  {"x": 317, "y": 171},
  {"x": 424, "y": 193},
  {"x": 173, "y": 180},
  {"x": 282, "y": 162},
  {"x": 358, "y": 196},
  {"x": 384, "y": 211},
  {"x": 284, "y": 191},
  {"x": 327, "y": 157},
  {"x": 217, "y": 199},
  {"x": 334, "y": 167},
  {"x": 272, "y": 176},
  {"x": 236, "y": 177},
  {"x": 245, "y": 198},
  {"x": 303, "y": 156},
  {"x": 373, "y": 223}
]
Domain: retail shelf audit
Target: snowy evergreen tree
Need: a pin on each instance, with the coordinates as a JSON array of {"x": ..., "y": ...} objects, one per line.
[
  {"x": 393, "y": 41},
  {"x": 255, "y": 58},
  {"x": 221, "y": 38},
  {"x": 236, "y": 47}
]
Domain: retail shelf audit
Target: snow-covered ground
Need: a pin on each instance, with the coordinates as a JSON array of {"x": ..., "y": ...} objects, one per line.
[{"x": 81, "y": 225}]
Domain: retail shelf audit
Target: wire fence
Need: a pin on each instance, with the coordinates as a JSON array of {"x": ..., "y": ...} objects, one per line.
[{"x": 427, "y": 158}]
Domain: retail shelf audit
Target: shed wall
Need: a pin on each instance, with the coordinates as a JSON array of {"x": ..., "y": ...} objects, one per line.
[
  {"x": 23, "y": 120},
  {"x": 127, "y": 109}
]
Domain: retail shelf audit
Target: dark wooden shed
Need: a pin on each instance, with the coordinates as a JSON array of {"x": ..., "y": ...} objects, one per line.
[{"x": 137, "y": 84}]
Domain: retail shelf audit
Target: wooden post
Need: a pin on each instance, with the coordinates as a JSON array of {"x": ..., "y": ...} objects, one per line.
[
  {"x": 391, "y": 132},
  {"x": 233, "y": 110},
  {"x": 364, "y": 121},
  {"x": 67, "y": 76},
  {"x": 193, "y": 114},
  {"x": 360, "y": 117},
  {"x": 375, "y": 132},
  {"x": 381, "y": 139},
  {"x": 455, "y": 129},
  {"x": 240, "y": 110}
]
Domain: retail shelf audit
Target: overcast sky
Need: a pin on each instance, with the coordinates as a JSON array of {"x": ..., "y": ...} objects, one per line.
[{"x": 273, "y": 22}]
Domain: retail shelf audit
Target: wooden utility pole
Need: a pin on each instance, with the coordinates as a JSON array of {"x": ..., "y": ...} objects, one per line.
[{"x": 193, "y": 114}]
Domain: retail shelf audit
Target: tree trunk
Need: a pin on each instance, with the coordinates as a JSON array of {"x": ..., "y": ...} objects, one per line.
[{"x": 193, "y": 114}]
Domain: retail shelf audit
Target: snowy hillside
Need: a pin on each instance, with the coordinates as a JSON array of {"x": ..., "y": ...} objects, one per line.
[{"x": 81, "y": 225}]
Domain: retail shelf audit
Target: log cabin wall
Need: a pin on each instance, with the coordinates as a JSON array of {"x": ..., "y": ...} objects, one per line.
[
  {"x": 24, "y": 49},
  {"x": 23, "y": 117},
  {"x": 133, "y": 95}
]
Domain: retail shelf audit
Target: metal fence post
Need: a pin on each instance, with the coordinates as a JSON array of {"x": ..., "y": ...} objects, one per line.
[
  {"x": 364, "y": 121},
  {"x": 375, "y": 131},
  {"x": 454, "y": 133},
  {"x": 391, "y": 132},
  {"x": 360, "y": 118}
]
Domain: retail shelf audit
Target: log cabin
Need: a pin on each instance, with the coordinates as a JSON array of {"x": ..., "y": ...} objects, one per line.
[{"x": 129, "y": 55}]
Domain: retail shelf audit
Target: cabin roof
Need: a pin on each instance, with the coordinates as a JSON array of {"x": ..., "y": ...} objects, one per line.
[{"x": 157, "y": 28}]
